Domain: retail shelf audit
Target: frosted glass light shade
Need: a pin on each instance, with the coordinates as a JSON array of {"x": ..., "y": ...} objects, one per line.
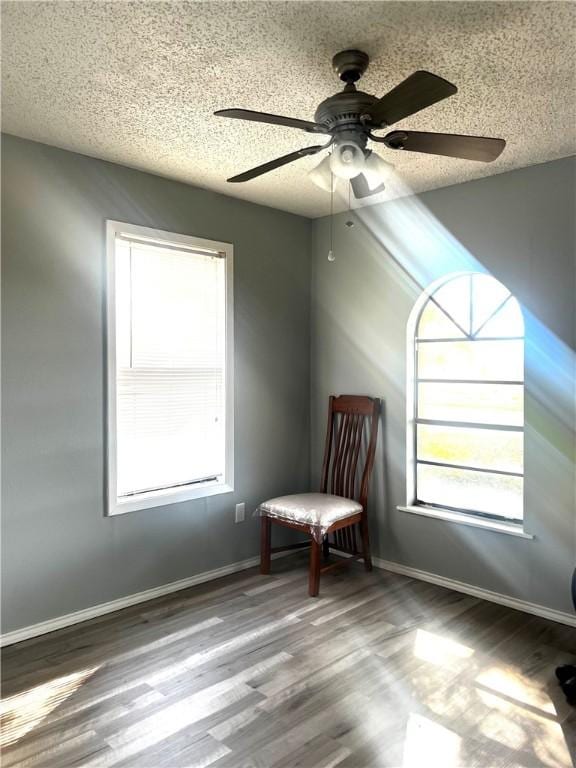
[
  {"x": 321, "y": 174},
  {"x": 376, "y": 170},
  {"x": 347, "y": 160}
]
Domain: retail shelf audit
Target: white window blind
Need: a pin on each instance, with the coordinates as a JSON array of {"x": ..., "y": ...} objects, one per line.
[{"x": 170, "y": 366}]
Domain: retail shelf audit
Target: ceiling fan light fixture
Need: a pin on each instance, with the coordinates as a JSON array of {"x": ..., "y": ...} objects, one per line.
[
  {"x": 347, "y": 160},
  {"x": 321, "y": 174}
]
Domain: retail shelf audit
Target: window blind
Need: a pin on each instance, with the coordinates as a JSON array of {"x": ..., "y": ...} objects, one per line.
[{"x": 170, "y": 365}]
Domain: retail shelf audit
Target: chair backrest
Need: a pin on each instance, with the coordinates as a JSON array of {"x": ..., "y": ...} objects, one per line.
[{"x": 347, "y": 418}]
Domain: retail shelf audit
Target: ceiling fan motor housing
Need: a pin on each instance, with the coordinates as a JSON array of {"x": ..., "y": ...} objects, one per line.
[
  {"x": 348, "y": 112},
  {"x": 345, "y": 111}
]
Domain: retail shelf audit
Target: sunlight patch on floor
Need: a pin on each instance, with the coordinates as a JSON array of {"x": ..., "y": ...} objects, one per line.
[
  {"x": 439, "y": 650},
  {"x": 24, "y": 711},
  {"x": 430, "y": 744},
  {"x": 544, "y": 735},
  {"x": 515, "y": 686},
  {"x": 504, "y": 730},
  {"x": 551, "y": 747}
]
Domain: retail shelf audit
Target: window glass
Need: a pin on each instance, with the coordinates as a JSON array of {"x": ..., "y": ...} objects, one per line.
[
  {"x": 487, "y": 296},
  {"x": 476, "y": 403},
  {"x": 454, "y": 298},
  {"x": 506, "y": 322},
  {"x": 472, "y": 360},
  {"x": 469, "y": 398},
  {"x": 491, "y": 494},
  {"x": 480, "y": 448},
  {"x": 435, "y": 324}
]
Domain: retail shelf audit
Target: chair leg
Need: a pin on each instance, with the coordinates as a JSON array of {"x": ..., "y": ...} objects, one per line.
[
  {"x": 325, "y": 547},
  {"x": 365, "y": 543},
  {"x": 314, "y": 577},
  {"x": 265, "y": 545}
]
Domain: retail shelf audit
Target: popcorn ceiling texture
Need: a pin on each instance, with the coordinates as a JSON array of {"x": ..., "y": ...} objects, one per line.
[{"x": 136, "y": 83}]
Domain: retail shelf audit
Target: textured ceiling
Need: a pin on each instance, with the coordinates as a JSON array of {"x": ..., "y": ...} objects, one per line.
[{"x": 136, "y": 83}]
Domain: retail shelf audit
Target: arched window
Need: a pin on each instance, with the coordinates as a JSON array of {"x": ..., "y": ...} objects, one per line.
[{"x": 466, "y": 416}]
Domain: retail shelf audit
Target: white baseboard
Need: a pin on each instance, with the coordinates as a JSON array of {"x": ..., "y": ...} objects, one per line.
[
  {"x": 42, "y": 628},
  {"x": 25, "y": 633},
  {"x": 484, "y": 594}
]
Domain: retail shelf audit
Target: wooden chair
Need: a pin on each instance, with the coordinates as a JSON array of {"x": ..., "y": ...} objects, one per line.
[{"x": 333, "y": 516}]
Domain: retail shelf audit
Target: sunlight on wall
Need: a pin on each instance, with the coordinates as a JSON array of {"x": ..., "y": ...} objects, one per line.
[{"x": 23, "y": 712}]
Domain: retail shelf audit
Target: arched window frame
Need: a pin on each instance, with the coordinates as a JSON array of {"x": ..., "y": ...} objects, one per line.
[{"x": 413, "y": 420}]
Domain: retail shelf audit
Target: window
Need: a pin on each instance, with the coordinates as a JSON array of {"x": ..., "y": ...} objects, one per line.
[
  {"x": 466, "y": 416},
  {"x": 169, "y": 335}
]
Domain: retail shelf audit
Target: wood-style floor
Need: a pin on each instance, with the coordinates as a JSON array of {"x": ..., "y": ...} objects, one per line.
[{"x": 380, "y": 670}]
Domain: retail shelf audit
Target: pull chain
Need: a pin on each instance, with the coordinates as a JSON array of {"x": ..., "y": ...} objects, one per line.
[
  {"x": 331, "y": 255},
  {"x": 350, "y": 222}
]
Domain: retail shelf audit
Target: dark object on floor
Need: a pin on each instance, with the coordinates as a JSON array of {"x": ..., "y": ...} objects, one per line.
[
  {"x": 567, "y": 678},
  {"x": 567, "y": 673}
]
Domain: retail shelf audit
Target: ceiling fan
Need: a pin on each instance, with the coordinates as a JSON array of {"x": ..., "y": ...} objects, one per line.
[{"x": 349, "y": 118}]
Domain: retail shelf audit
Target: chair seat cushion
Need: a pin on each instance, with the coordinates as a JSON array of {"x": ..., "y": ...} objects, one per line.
[{"x": 318, "y": 510}]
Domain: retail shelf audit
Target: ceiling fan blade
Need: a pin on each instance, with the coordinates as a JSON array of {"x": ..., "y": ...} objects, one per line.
[
  {"x": 264, "y": 117},
  {"x": 479, "y": 148},
  {"x": 420, "y": 90},
  {"x": 361, "y": 189},
  {"x": 280, "y": 161}
]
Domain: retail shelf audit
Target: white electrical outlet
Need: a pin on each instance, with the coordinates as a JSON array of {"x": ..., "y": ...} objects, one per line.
[{"x": 240, "y": 511}]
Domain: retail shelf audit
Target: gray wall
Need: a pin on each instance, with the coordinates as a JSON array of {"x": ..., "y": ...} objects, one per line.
[
  {"x": 60, "y": 553},
  {"x": 520, "y": 227}
]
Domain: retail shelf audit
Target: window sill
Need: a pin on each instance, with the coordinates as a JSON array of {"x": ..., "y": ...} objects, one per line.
[
  {"x": 512, "y": 529},
  {"x": 165, "y": 497}
]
